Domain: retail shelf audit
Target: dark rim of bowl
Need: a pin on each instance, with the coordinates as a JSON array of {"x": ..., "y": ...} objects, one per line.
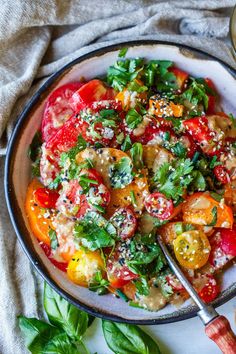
[
  {"x": 233, "y": 15},
  {"x": 9, "y": 192}
]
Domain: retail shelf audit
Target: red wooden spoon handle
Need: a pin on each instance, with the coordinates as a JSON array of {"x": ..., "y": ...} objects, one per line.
[{"x": 220, "y": 332}]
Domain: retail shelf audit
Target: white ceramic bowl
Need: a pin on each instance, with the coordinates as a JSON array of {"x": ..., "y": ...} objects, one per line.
[{"x": 17, "y": 173}]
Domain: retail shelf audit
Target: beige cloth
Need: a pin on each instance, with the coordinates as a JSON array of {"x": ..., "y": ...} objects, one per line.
[{"x": 36, "y": 39}]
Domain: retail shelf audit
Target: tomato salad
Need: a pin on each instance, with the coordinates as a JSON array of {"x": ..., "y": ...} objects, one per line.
[{"x": 146, "y": 150}]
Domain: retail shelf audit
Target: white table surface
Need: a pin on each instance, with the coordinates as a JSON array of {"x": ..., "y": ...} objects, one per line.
[{"x": 185, "y": 337}]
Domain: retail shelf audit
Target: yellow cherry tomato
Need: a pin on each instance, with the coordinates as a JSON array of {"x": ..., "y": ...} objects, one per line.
[
  {"x": 192, "y": 249},
  {"x": 83, "y": 266}
]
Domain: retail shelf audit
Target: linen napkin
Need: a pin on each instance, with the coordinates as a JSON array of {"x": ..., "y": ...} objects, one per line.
[{"x": 39, "y": 37}]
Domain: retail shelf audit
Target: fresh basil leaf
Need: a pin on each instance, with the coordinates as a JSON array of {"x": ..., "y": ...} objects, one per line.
[
  {"x": 64, "y": 315},
  {"x": 53, "y": 239},
  {"x": 94, "y": 231},
  {"x": 214, "y": 216},
  {"x": 62, "y": 344},
  {"x": 124, "y": 338},
  {"x": 136, "y": 153},
  {"x": 126, "y": 144},
  {"x": 121, "y": 173},
  {"x": 36, "y": 333},
  {"x": 133, "y": 118},
  {"x": 122, "y": 52}
]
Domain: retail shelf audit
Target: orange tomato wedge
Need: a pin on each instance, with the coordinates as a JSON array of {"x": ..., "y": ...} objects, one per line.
[
  {"x": 39, "y": 224},
  {"x": 161, "y": 106},
  {"x": 199, "y": 209}
]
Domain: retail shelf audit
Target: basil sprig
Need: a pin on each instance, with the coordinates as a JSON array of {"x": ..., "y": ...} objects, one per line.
[{"x": 124, "y": 338}]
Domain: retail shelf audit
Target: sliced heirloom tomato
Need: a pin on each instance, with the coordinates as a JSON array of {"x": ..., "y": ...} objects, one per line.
[
  {"x": 94, "y": 90},
  {"x": 39, "y": 223},
  {"x": 46, "y": 198},
  {"x": 74, "y": 202},
  {"x": 218, "y": 258},
  {"x": 228, "y": 241},
  {"x": 210, "y": 141},
  {"x": 125, "y": 222},
  {"x": 201, "y": 209},
  {"x": 48, "y": 252},
  {"x": 83, "y": 266},
  {"x": 159, "y": 206},
  {"x": 57, "y": 109},
  {"x": 192, "y": 249}
]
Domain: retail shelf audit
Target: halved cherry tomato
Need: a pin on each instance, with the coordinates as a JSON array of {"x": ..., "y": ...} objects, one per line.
[
  {"x": 210, "y": 290},
  {"x": 222, "y": 174},
  {"x": 192, "y": 249},
  {"x": 211, "y": 98},
  {"x": 83, "y": 266},
  {"x": 199, "y": 209},
  {"x": 125, "y": 222},
  {"x": 39, "y": 224},
  {"x": 48, "y": 252},
  {"x": 57, "y": 109},
  {"x": 118, "y": 272},
  {"x": 118, "y": 275},
  {"x": 129, "y": 290},
  {"x": 159, "y": 206},
  {"x": 228, "y": 241},
  {"x": 46, "y": 198},
  {"x": 181, "y": 76},
  {"x": 94, "y": 90}
]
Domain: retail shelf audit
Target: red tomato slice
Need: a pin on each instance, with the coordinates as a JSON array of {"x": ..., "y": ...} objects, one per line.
[
  {"x": 94, "y": 90},
  {"x": 228, "y": 241},
  {"x": 48, "y": 252},
  {"x": 211, "y": 98},
  {"x": 222, "y": 174},
  {"x": 66, "y": 137},
  {"x": 72, "y": 201},
  {"x": 210, "y": 290},
  {"x": 57, "y": 109},
  {"x": 159, "y": 206},
  {"x": 119, "y": 274},
  {"x": 125, "y": 222},
  {"x": 46, "y": 198}
]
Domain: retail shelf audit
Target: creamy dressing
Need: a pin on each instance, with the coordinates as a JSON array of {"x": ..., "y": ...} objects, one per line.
[{"x": 154, "y": 301}]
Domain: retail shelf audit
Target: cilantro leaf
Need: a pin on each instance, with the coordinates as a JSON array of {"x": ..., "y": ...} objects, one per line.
[
  {"x": 122, "y": 52},
  {"x": 126, "y": 143},
  {"x": 214, "y": 162},
  {"x": 99, "y": 284},
  {"x": 133, "y": 118},
  {"x": 94, "y": 231},
  {"x": 35, "y": 146},
  {"x": 53, "y": 239},
  {"x": 80, "y": 146},
  {"x": 214, "y": 216},
  {"x": 179, "y": 150},
  {"x": 121, "y": 173},
  {"x": 142, "y": 286},
  {"x": 136, "y": 153}
]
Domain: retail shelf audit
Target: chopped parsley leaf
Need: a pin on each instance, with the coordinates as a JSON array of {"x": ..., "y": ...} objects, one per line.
[
  {"x": 53, "y": 239},
  {"x": 133, "y": 118},
  {"x": 121, "y": 173}
]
